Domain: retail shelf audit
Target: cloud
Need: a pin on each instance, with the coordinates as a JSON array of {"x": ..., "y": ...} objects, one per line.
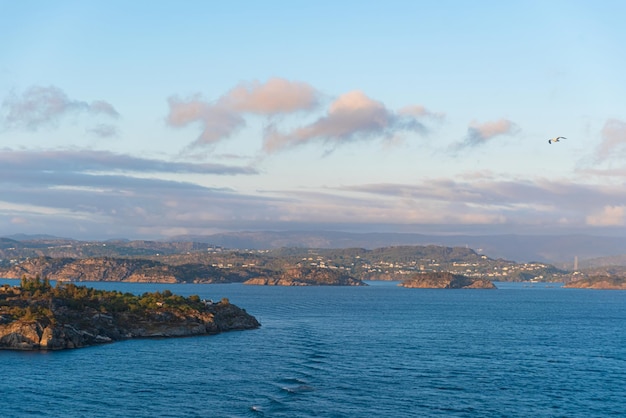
[
  {"x": 103, "y": 161},
  {"x": 481, "y": 133},
  {"x": 275, "y": 96},
  {"x": 40, "y": 106},
  {"x": 59, "y": 190},
  {"x": 102, "y": 107},
  {"x": 608, "y": 216},
  {"x": 112, "y": 193},
  {"x": 419, "y": 111},
  {"x": 523, "y": 201},
  {"x": 613, "y": 139},
  {"x": 217, "y": 122},
  {"x": 352, "y": 116},
  {"x": 610, "y": 172},
  {"x": 222, "y": 118},
  {"x": 103, "y": 130}
]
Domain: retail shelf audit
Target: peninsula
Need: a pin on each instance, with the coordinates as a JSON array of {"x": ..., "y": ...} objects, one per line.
[{"x": 38, "y": 316}]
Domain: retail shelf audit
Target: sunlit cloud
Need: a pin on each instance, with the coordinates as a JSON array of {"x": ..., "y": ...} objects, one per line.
[
  {"x": 419, "y": 111},
  {"x": 349, "y": 208},
  {"x": 351, "y": 117},
  {"x": 153, "y": 205},
  {"x": 225, "y": 116},
  {"x": 525, "y": 201},
  {"x": 216, "y": 122},
  {"x": 608, "y": 216},
  {"x": 40, "y": 106},
  {"x": 275, "y": 96},
  {"x": 481, "y": 133},
  {"x": 609, "y": 172}
]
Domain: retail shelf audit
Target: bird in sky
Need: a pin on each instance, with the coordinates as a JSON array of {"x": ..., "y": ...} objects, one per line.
[{"x": 556, "y": 139}]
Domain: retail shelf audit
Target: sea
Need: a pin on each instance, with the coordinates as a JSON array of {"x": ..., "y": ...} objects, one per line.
[{"x": 378, "y": 351}]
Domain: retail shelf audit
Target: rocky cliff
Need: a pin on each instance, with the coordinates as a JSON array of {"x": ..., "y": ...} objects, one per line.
[
  {"x": 445, "y": 280},
  {"x": 74, "y": 317},
  {"x": 599, "y": 282},
  {"x": 123, "y": 270},
  {"x": 303, "y": 276}
]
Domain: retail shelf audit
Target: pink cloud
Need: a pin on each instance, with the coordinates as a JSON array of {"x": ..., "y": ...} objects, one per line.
[
  {"x": 352, "y": 116},
  {"x": 217, "y": 122},
  {"x": 221, "y": 119},
  {"x": 277, "y": 95},
  {"x": 480, "y": 133},
  {"x": 608, "y": 216},
  {"x": 419, "y": 111}
]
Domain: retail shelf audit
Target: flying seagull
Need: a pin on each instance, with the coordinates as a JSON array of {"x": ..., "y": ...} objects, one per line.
[{"x": 555, "y": 139}]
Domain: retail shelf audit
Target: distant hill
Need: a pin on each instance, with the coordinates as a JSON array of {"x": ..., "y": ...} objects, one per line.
[
  {"x": 556, "y": 249},
  {"x": 559, "y": 250},
  {"x": 592, "y": 263},
  {"x": 28, "y": 237}
]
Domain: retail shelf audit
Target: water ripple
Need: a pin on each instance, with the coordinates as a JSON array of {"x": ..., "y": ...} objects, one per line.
[{"x": 346, "y": 352}]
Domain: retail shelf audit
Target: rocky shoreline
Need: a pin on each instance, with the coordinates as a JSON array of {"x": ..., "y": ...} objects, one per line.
[
  {"x": 445, "y": 280},
  {"x": 49, "y": 320},
  {"x": 599, "y": 283},
  {"x": 302, "y": 276}
]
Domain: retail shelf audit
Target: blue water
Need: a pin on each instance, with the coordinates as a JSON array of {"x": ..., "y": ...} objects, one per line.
[{"x": 370, "y": 351}]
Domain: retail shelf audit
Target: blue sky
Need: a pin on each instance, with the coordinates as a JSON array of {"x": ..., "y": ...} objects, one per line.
[{"x": 154, "y": 119}]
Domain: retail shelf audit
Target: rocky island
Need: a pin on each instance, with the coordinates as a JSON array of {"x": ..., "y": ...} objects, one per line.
[
  {"x": 445, "y": 280},
  {"x": 599, "y": 283},
  {"x": 37, "y": 316},
  {"x": 304, "y": 276}
]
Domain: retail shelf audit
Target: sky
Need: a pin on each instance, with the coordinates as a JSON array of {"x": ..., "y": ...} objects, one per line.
[{"x": 155, "y": 119}]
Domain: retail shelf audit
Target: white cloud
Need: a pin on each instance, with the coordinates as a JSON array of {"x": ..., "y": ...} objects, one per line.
[{"x": 608, "y": 216}]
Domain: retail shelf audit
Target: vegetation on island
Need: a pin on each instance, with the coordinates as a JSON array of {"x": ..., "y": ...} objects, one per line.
[
  {"x": 37, "y": 315},
  {"x": 36, "y": 298}
]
